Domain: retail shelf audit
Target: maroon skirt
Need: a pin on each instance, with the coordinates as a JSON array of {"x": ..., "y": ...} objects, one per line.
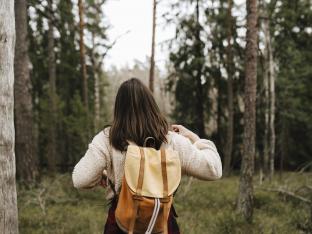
[{"x": 111, "y": 226}]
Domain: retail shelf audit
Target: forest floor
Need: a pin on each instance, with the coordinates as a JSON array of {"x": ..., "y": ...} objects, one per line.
[{"x": 54, "y": 206}]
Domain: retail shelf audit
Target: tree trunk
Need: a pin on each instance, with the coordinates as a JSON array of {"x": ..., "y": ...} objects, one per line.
[
  {"x": 200, "y": 120},
  {"x": 82, "y": 56},
  {"x": 272, "y": 106},
  {"x": 96, "y": 86},
  {"x": 26, "y": 160},
  {"x": 245, "y": 196},
  {"x": 51, "y": 147},
  {"x": 266, "y": 30},
  {"x": 8, "y": 204},
  {"x": 230, "y": 127},
  {"x": 152, "y": 68}
]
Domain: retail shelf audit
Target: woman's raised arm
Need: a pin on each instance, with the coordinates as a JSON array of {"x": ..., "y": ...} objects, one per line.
[
  {"x": 89, "y": 170},
  {"x": 199, "y": 159}
]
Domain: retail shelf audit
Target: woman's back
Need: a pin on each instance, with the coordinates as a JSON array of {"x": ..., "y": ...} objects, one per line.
[{"x": 200, "y": 160}]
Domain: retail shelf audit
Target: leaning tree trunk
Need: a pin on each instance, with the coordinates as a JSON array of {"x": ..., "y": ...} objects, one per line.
[
  {"x": 230, "y": 126},
  {"x": 51, "y": 147},
  {"x": 82, "y": 56},
  {"x": 26, "y": 160},
  {"x": 152, "y": 68},
  {"x": 8, "y": 204},
  {"x": 245, "y": 196}
]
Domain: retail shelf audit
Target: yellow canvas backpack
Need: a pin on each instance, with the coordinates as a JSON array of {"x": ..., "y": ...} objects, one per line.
[{"x": 150, "y": 179}]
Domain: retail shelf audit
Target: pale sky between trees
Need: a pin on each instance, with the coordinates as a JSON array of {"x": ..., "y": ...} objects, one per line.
[{"x": 135, "y": 17}]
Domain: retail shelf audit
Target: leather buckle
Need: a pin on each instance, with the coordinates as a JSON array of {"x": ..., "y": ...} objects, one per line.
[
  {"x": 165, "y": 199},
  {"x": 137, "y": 197}
]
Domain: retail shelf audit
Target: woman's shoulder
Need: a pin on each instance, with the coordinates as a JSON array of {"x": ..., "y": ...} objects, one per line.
[
  {"x": 174, "y": 139},
  {"x": 102, "y": 138}
]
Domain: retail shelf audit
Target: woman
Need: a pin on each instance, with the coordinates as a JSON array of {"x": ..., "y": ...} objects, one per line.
[{"x": 136, "y": 117}]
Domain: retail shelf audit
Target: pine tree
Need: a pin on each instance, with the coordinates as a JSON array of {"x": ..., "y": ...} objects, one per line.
[
  {"x": 8, "y": 203},
  {"x": 25, "y": 143},
  {"x": 245, "y": 196},
  {"x": 230, "y": 127},
  {"x": 152, "y": 65}
]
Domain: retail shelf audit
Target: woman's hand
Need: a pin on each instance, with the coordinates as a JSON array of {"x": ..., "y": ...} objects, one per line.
[
  {"x": 185, "y": 132},
  {"x": 103, "y": 181}
]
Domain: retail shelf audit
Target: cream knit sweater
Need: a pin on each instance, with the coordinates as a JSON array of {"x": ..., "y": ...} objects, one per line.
[{"x": 200, "y": 160}]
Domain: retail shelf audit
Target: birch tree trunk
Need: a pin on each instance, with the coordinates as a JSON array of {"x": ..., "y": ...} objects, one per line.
[
  {"x": 152, "y": 68},
  {"x": 51, "y": 152},
  {"x": 230, "y": 128},
  {"x": 245, "y": 196},
  {"x": 26, "y": 160},
  {"x": 272, "y": 106},
  {"x": 82, "y": 56},
  {"x": 8, "y": 204},
  {"x": 95, "y": 68}
]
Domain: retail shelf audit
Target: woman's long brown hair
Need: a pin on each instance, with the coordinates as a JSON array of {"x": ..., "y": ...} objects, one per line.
[{"x": 136, "y": 117}]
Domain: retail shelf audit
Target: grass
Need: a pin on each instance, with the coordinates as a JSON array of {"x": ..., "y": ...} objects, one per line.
[{"x": 54, "y": 206}]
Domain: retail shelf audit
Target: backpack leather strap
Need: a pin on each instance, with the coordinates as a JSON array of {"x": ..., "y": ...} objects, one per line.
[
  {"x": 165, "y": 188},
  {"x": 141, "y": 173},
  {"x": 164, "y": 172},
  {"x": 138, "y": 191}
]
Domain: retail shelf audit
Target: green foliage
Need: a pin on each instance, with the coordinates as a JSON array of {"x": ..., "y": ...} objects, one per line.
[
  {"x": 74, "y": 125},
  {"x": 54, "y": 206},
  {"x": 292, "y": 42}
]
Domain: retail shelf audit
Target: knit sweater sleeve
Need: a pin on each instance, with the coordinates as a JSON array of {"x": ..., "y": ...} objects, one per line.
[
  {"x": 200, "y": 160},
  {"x": 89, "y": 170}
]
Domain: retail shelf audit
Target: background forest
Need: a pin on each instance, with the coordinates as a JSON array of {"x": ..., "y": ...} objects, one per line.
[{"x": 64, "y": 95}]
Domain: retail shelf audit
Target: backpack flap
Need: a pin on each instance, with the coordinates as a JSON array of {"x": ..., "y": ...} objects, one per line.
[{"x": 152, "y": 181}]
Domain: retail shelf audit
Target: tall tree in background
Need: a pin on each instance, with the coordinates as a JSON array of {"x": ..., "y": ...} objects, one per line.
[
  {"x": 200, "y": 122},
  {"x": 230, "y": 70},
  {"x": 191, "y": 72},
  {"x": 152, "y": 65},
  {"x": 8, "y": 204},
  {"x": 51, "y": 148},
  {"x": 99, "y": 48},
  {"x": 26, "y": 156},
  {"x": 269, "y": 94},
  {"x": 82, "y": 55},
  {"x": 245, "y": 196}
]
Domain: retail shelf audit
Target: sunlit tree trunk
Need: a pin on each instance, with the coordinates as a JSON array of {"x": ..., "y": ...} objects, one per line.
[
  {"x": 152, "y": 65},
  {"x": 8, "y": 204},
  {"x": 51, "y": 147},
  {"x": 26, "y": 159},
  {"x": 230, "y": 127},
  {"x": 245, "y": 196},
  {"x": 82, "y": 56}
]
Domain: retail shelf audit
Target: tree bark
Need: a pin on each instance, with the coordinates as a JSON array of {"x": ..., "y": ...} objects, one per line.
[
  {"x": 266, "y": 30},
  {"x": 8, "y": 204},
  {"x": 96, "y": 72},
  {"x": 272, "y": 106},
  {"x": 230, "y": 125},
  {"x": 245, "y": 196},
  {"x": 26, "y": 160},
  {"x": 51, "y": 147},
  {"x": 200, "y": 120},
  {"x": 82, "y": 56},
  {"x": 152, "y": 66}
]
